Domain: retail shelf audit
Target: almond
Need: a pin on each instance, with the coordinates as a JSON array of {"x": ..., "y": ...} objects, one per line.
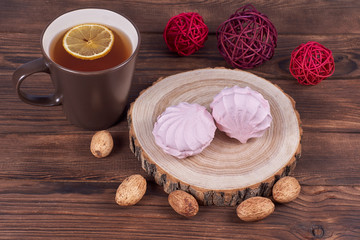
[
  {"x": 255, "y": 208},
  {"x": 101, "y": 144},
  {"x": 286, "y": 190},
  {"x": 131, "y": 190},
  {"x": 183, "y": 203}
]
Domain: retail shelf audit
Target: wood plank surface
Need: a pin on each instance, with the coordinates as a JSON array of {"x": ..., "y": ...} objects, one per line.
[
  {"x": 155, "y": 61},
  {"x": 306, "y": 17},
  {"x": 51, "y": 187},
  {"x": 67, "y": 157},
  {"x": 76, "y": 209}
]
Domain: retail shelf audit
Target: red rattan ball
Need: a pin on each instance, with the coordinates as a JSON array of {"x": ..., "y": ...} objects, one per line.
[
  {"x": 311, "y": 63},
  {"x": 185, "y": 33},
  {"x": 247, "y": 39}
]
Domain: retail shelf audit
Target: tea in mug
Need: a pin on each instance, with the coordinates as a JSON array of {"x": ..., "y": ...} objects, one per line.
[{"x": 120, "y": 51}]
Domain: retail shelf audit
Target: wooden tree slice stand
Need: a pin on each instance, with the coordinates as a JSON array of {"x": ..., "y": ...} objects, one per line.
[{"x": 226, "y": 172}]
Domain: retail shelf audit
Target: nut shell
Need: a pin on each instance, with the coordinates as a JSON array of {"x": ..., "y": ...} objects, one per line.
[
  {"x": 255, "y": 208},
  {"x": 101, "y": 144},
  {"x": 131, "y": 190},
  {"x": 183, "y": 203},
  {"x": 286, "y": 189}
]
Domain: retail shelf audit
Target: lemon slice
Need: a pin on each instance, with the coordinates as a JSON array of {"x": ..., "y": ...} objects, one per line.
[{"x": 88, "y": 41}]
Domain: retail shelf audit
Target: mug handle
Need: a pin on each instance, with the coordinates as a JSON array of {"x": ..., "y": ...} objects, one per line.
[{"x": 26, "y": 70}]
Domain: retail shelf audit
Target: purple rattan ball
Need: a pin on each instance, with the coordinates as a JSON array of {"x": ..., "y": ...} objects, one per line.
[{"x": 247, "y": 39}]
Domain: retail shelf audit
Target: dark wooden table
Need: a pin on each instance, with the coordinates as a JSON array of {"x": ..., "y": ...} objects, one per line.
[{"x": 51, "y": 187}]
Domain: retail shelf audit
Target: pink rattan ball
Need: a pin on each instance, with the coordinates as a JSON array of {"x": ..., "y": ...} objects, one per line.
[
  {"x": 185, "y": 33},
  {"x": 311, "y": 63},
  {"x": 247, "y": 39}
]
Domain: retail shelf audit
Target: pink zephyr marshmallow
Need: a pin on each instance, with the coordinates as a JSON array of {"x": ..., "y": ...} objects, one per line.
[
  {"x": 184, "y": 130},
  {"x": 241, "y": 113}
]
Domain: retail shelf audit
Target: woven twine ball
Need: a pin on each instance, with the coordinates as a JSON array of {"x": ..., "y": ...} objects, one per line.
[
  {"x": 311, "y": 63},
  {"x": 185, "y": 33},
  {"x": 247, "y": 39}
]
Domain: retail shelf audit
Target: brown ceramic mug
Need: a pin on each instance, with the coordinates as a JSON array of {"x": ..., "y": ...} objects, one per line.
[{"x": 92, "y": 100}]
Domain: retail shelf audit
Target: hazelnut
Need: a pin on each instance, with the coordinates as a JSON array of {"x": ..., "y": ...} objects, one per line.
[
  {"x": 183, "y": 203},
  {"x": 101, "y": 144},
  {"x": 131, "y": 190},
  {"x": 286, "y": 190},
  {"x": 255, "y": 208}
]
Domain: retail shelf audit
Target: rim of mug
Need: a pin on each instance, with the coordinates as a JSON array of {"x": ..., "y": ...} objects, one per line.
[{"x": 133, "y": 54}]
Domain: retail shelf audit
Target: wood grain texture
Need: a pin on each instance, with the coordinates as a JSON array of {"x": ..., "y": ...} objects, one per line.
[
  {"x": 152, "y": 16},
  {"x": 67, "y": 156},
  {"x": 87, "y": 210},
  {"x": 19, "y": 48},
  {"x": 155, "y": 61},
  {"x": 52, "y": 188},
  {"x": 226, "y": 172}
]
